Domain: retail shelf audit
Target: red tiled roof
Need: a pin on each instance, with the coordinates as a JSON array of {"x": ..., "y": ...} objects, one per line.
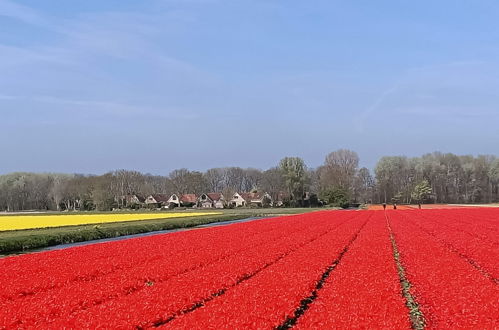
[
  {"x": 188, "y": 198},
  {"x": 214, "y": 196},
  {"x": 161, "y": 198},
  {"x": 252, "y": 196},
  {"x": 129, "y": 198},
  {"x": 246, "y": 196}
]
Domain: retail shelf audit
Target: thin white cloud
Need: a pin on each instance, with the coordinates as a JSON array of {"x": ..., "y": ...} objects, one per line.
[
  {"x": 448, "y": 112},
  {"x": 7, "y": 97},
  {"x": 118, "y": 109},
  {"x": 84, "y": 45},
  {"x": 11, "y": 56},
  {"x": 22, "y": 13},
  {"x": 119, "y": 35},
  {"x": 419, "y": 92},
  {"x": 439, "y": 67},
  {"x": 361, "y": 119},
  {"x": 110, "y": 107}
]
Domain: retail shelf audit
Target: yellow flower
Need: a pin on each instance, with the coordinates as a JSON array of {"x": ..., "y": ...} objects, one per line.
[{"x": 16, "y": 222}]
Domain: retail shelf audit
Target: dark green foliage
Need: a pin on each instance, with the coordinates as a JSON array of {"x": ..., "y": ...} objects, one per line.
[
  {"x": 422, "y": 191},
  {"x": 314, "y": 200},
  {"x": 337, "y": 197},
  {"x": 21, "y": 240},
  {"x": 397, "y": 198},
  {"x": 266, "y": 202}
]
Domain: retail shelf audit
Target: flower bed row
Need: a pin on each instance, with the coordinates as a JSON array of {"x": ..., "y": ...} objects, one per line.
[
  {"x": 164, "y": 300},
  {"x": 330, "y": 269},
  {"x": 463, "y": 240},
  {"x": 94, "y": 295},
  {"x": 364, "y": 289},
  {"x": 273, "y": 295},
  {"x": 63, "y": 267},
  {"x": 19, "y": 222},
  {"x": 450, "y": 292},
  {"x": 482, "y": 223}
]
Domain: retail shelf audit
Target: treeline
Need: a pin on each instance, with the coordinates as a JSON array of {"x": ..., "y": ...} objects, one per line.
[
  {"x": 452, "y": 178},
  {"x": 435, "y": 178}
]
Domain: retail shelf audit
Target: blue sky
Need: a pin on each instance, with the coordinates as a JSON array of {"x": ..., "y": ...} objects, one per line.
[{"x": 91, "y": 86}]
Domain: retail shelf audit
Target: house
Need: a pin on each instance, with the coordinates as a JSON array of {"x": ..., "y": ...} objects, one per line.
[
  {"x": 133, "y": 199},
  {"x": 261, "y": 199},
  {"x": 173, "y": 201},
  {"x": 159, "y": 200},
  {"x": 188, "y": 200},
  {"x": 218, "y": 200},
  {"x": 211, "y": 200},
  {"x": 282, "y": 199},
  {"x": 237, "y": 200}
]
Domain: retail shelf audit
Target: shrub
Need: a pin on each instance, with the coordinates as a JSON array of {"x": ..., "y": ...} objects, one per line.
[{"x": 337, "y": 197}]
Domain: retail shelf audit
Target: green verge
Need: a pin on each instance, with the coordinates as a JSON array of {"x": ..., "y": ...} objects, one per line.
[
  {"x": 22, "y": 240},
  {"x": 415, "y": 315}
]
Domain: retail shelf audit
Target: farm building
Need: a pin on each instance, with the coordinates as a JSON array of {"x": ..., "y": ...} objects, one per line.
[
  {"x": 132, "y": 199},
  {"x": 211, "y": 200},
  {"x": 218, "y": 200},
  {"x": 260, "y": 199},
  {"x": 237, "y": 200},
  {"x": 174, "y": 200},
  {"x": 188, "y": 200},
  {"x": 160, "y": 200}
]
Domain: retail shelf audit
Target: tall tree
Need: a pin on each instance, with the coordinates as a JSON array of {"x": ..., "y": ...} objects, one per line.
[
  {"x": 187, "y": 182},
  {"x": 364, "y": 186},
  {"x": 294, "y": 172},
  {"x": 341, "y": 167},
  {"x": 273, "y": 182},
  {"x": 215, "y": 179},
  {"x": 494, "y": 179},
  {"x": 252, "y": 179},
  {"x": 421, "y": 191}
]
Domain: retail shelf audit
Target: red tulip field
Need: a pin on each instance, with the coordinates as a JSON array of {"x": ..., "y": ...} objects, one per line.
[{"x": 399, "y": 269}]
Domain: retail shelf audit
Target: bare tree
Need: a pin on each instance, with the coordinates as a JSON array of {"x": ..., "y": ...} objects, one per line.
[
  {"x": 234, "y": 178},
  {"x": 215, "y": 179},
  {"x": 179, "y": 179},
  {"x": 452, "y": 179},
  {"x": 273, "y": 182},
  {"x": 252, "y": 179},
  {"x": 364, "y": 186},
  {"x": 340, "y": 168},
  {"x": 185, "y": 181}
]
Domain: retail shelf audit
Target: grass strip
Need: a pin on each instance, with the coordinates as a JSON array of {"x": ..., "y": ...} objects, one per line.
[
  {"x": 15, "y": 241},
  {"x": 415, "y": 314},
  {"x": 22, "y": 240}
]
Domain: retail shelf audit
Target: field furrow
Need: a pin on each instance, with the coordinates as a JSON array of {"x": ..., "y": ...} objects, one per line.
[
  {"x": 275, "y": 294},
  {"x": 321, "y": 270},
  {"x": 364, "y": 288},
  {"x": 468, "y": 246},
  {"x": 63, "y": 267},
  {"x": 450, "y": 292},
  {"x": 477, "y": 222},
  {"x": 177, "y": 292}
]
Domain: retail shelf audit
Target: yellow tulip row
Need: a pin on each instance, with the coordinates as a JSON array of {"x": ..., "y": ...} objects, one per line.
[{"x": 45, "y": 221}]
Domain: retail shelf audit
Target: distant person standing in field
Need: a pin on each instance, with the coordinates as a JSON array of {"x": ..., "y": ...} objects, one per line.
[
  {"x": 394, "y": 206},
  {"x": 384, "y": 206}
]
